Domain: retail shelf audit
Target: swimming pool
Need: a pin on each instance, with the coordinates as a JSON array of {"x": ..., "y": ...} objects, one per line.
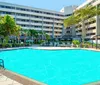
[{"x": 58, "y": 67}]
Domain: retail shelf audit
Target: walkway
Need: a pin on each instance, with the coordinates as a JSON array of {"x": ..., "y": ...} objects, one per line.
[{"x": 7, "y": 81}]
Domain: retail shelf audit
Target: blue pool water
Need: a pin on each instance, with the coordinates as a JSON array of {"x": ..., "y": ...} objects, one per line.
[{"x": 60, "y": 67}]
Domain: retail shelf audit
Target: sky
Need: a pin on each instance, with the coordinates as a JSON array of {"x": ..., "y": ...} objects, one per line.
[{"x": 56, "y": 5}]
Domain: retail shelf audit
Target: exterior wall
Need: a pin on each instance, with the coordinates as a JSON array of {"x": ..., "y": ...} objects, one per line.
[
  {"x": 73, "y": 31},
  {"x": 98, "y": 25},
  {"x": 68, "y": 11},
  {"x": 48, "y": 21}
]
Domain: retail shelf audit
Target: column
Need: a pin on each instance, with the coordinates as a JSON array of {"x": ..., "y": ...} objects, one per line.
[
  {"x": 63, "y": 30},
  {"x": 53, "y": 30}
]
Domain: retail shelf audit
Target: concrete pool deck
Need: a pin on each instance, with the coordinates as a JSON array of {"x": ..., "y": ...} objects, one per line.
[
  {"x": 10, "y": 78},
  {"x": 93, "y": 83},
  {"x": 7, "y": 81}
]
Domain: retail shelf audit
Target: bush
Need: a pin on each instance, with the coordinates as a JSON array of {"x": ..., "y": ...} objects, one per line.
[
  {"x": 14, "y": 45},
  {"x": 17, "y": 45},
  {"x": 86, "y": 45},
  {"x": 5, "y": 45},
  {"x": 76, "y": 42},
  {"x": 41, "y": 41},
  {"x": 0, "y": 45}
]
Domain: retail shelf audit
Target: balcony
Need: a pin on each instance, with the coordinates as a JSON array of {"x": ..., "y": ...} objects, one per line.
[
  {"x": 31, "y": 28},
  {"x": 49, "y": 33},
  {"x": 30, "y": 13},
  {"x": 96, "y": 3},
  {"x": 92, "y": 31},
  {"x": 57, "y": 34},
  {"x": 78, "y": 29},
  {"x": 91, "y": 36},
  {"x": 79, "y": 33},
  {"x": 57, "y": 30},
  {"x": 55, "y": 21},
  {"x": 92, "y": 25},
  {"x": 59, "y": 26},
  {"x": 21, "y": 22},
  {"x": 45, "y": 29}
]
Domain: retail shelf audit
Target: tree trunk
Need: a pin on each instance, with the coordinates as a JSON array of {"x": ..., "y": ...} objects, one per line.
[
  {"x": 32, "y": 40},
  {"x": 18, "y": 39},
  {"x": 83, "y": 31}
]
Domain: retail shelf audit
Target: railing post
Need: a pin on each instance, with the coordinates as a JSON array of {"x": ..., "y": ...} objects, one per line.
[{"x": 2, "y": 63}]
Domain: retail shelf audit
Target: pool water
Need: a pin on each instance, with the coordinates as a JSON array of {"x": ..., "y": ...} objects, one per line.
[{"x": 59, "y": 67}]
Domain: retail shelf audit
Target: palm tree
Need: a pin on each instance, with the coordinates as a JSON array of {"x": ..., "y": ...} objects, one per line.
[
  {"x": 47, "y": 37},
  {"x": 8, "y": 27},
  {"x": 70, "y": 21},
  {"x": 18, "y": 34},
  {"x": 81, "y": 16},
  {"x": 84, "y": 14},
  {"x": 1, "y": 28},
  {"x": 24, "y": 33},
  {"x": 33, "y": 33}
]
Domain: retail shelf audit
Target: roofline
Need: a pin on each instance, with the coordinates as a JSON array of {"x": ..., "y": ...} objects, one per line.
[
  {"x": 84, "y": 4},
  {"x": 30, "y": 7}
]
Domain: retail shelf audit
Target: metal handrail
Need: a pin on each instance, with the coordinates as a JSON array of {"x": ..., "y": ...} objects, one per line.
[{"x": 2, "y": 63}]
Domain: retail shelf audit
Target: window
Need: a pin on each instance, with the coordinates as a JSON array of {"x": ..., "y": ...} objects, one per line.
[{"x": 8, "y": 7}]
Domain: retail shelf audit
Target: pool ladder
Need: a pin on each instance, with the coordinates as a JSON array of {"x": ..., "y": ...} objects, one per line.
[{"x": 2, "y": 63}]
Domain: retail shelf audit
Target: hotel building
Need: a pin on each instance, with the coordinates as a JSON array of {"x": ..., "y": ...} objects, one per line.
[
  {"x": 92, "y": 27},
  {"x": 48, "y": 21},
  {"x": 69, "y": 32}
]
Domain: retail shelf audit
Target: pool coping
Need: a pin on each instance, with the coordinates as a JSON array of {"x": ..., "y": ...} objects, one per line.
[
  {"x": 65, "y": 48},
  {"x": 20, "y": 78},
  {"x": 16, "y": 48},
  {"x": 51, "y": 48},
  {"x": 93, "y": 83}
]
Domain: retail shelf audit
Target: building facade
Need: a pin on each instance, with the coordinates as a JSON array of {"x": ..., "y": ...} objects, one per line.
[
  {"x": 92, "y": 27},
  {"x": 69, "y": 32},
  {"x": 48, "y": 21}
]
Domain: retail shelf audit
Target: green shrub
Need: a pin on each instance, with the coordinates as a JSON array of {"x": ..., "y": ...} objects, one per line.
[
  {"x": 76, "y": 42},
  {"x": 0, "y": 45},
  {"x": 6, "y": 45},
  {"x": 17, "y": 45},
  {"x": 14, "y": 45},
  {"x": 41, "y": 41}
]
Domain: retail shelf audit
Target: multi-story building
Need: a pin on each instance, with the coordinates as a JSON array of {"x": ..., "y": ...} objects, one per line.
[
  {"x": 69, "y": 32},
  {"x": 92, "y": 27},
  {"x": 48, "y": 21}
]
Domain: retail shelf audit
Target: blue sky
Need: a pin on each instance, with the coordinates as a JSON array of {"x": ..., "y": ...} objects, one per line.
[{"x": 46, "y": 4}]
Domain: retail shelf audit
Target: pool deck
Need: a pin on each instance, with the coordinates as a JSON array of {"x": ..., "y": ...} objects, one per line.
[
  {"x": 7, "y": 81},
  {"x": 10, "y": 78},
  {"x": 94, "y": 83}
]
